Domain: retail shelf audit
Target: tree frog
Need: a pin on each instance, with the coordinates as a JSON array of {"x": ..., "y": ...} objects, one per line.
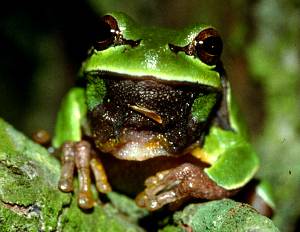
[{"x": 154, "y": 119}]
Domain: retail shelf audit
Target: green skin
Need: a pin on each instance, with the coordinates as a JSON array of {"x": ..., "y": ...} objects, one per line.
[{"x": 230, "y": 161}]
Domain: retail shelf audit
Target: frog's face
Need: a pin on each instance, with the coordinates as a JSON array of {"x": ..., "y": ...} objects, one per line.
[{"x": 151, "y": 91}]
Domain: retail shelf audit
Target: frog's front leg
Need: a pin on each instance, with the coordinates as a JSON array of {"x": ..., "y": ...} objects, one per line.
[
  {"x": 184, "y": 181},
  {"x": 80, "y": 155}
]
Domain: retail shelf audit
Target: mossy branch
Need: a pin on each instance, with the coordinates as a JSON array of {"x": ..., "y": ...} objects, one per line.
[{"x": 30, "y": 200}]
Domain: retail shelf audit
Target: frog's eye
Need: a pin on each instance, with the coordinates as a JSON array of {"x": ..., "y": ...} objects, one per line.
[
  {"x": 111, "y": 35},
  {"x": 208, "y": 46}
]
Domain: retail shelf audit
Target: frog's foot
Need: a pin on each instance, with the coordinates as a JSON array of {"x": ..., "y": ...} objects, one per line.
[
  {"x": 79, "y": 154},
  {"x": 185, "y": 181}
]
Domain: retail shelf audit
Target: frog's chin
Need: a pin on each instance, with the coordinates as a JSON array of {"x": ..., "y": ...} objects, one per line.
[{"x": 139, "y": 146}]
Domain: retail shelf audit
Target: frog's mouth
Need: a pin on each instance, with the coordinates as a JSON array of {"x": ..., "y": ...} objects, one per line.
[{"x": 145, "y": 118}]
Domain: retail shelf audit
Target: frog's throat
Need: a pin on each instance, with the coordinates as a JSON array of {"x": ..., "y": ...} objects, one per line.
[{"x": 139, "y": 146}]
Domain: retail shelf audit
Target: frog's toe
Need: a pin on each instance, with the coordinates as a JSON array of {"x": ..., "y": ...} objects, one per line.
[
  {"x": 154, "y": 180},
  {"x": 68, "y": 162},
  {"x": 163, "y": 199},
  {"x": 82, "y": 161},
  {"x": 154, "y": 202},
  {"x": 161, "y": 189},
  {"x": 141, "y": 200},
  {"x": 65, "y": 186},
  {"x": 85, "y": 200},
  {"x": 102, "y": 183},
  {"x": 145, "y": 201}
]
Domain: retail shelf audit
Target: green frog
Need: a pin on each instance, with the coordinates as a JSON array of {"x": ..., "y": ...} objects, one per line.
[{"x": 155, "y": 118}]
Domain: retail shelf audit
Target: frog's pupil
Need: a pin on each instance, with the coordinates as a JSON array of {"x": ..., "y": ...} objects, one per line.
[
  {"x": 213, "y": 45},
  {"x": 105, "y": 36},
  {"x": 106, "y": 32}
]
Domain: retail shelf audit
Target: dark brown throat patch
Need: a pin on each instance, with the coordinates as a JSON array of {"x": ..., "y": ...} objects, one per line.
[{"x": 148, "y": 105}]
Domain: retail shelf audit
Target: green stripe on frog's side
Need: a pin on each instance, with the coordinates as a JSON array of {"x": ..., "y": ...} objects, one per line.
[
  {"x": 265, "y": 191},
  {"x": 234, "y": 162},
  {"x": 236, "y": 120},
  {"x": 70, "y": 117}
]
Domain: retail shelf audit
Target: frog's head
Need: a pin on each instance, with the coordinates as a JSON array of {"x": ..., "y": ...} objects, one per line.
[
  {"x": 151, "y": 86},
  {"x": 189, "y": 55}
]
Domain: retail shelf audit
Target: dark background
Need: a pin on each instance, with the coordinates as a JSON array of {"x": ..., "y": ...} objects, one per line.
[{"x": 42, "y": 44}]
